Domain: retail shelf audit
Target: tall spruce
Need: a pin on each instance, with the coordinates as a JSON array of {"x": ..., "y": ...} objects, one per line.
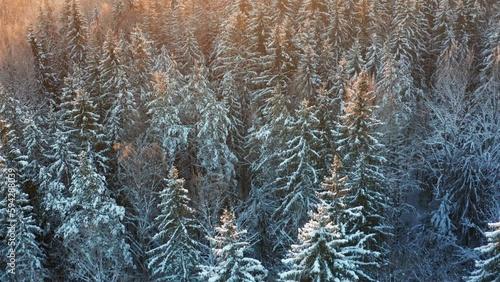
[{"x": 177, "y": 250}]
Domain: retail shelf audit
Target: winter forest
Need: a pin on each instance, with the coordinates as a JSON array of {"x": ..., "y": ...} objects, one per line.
[{"x": 250, "y": 140}]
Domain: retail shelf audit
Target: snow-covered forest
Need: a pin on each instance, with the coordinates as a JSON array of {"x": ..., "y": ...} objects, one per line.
[{"x": 250, "y": 140}]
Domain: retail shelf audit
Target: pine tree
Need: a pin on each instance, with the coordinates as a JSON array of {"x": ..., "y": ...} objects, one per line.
[
  {"x": 177, "y": 253},
  {"x": 232, "y": 264},
  {"x": 92, "y": 231},
  {"x": 488, "y": 269}
]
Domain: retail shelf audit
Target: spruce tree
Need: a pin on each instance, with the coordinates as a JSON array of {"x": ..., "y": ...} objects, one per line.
[
  {"x": 307, "y": 81},
  {"x": 488, "y": 269},
  {"x": 232, "y": 263},
  {"x": 92, "y": 230},
  {"x": 46, "y": 75},
  {"x": 298, "y": 173},
  {"x": 165, "y": 126},
  {"x": 177, "y": 252},
  {"x": 76, "y": 33},
  {"x": 323, "y": 253},
  {"x": 140, "y": 70},
  {"x": 19, "y": 231},
  {"x": 363, "y": 157},
  {"x": 214, "y": 155},
  {"x": 262, "y": 202}
]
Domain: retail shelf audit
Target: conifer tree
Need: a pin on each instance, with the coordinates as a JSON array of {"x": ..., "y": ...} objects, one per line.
[
  {"x": 76, "y": 33},
  {"x": 140, "y": 71},
  {"x": 215, "y": 157},
  {"x": 118, "y": 14},
  {"x": 92, "y": 230},
  {"x": 298, "y": 174},
  {"x": 307, "y": 80},
  {"x": 229, "y": 250},
  {"x": 149, "y": 19},
  {"x": 363, "y": 156},
  {"x": 443, "y": 22},
  {"x": 177, "y": 251},
  {"x": 188, "y": 52},
  {"x": 171, "y": 28},
  {"x": 118, "y": 104},
  {"x": 354, "y": 58},
  {"x": 46, "y": 75},
  {"x": 214, "y": 154},
  {"x": 323, "y": 252},
  {"x": 488, "y": 269},
  {"x": 19, "y": 232},
  {"x": 165, "y": 125},
  {"x": 261, "y": 203},
  {"x": 461, "y": 167},
  {"x": 337, "y": 30},
  {"x": 89, "y": 131}
]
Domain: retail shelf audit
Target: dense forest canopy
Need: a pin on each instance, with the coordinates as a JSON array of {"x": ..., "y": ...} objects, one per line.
[{"x": 250, "y": 140}]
